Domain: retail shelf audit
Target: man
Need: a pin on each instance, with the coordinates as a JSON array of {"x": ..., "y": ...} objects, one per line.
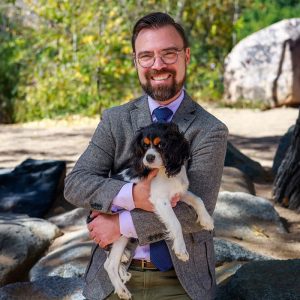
[{"x": 161, "y": 56}]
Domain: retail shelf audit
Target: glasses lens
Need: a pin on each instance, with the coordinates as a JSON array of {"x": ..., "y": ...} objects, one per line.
[
  {"x": 146, "y": 60},
  {"x": 169, "y": 57}
]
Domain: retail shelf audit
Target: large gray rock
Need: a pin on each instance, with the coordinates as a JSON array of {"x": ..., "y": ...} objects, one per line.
[
  {"x": 66, "y": 261},
  {"x": 265, "y": 66},
  {"x": 234, "y": 180},
  {"x": 246, "y": 217},
  {"x": 264, "y": 280},
  {"x": 75, "y": 217},
  {"x": 47, "y": 288},
  {"x": 22, "y": 241},
  {"x": 227, "y": 251},
  {"x": 236, "y": 159}
]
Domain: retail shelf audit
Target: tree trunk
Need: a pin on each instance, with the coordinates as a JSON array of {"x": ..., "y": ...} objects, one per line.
[{"x": 286, "y": 189}]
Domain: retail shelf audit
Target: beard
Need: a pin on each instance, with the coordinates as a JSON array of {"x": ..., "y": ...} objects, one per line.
[{"x": 163, "y": 92}]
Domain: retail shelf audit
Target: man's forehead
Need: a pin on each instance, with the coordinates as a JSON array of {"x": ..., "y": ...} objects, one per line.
[{"x": 156, "y": 39}]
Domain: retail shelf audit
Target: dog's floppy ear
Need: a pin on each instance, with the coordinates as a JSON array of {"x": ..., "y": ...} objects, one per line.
[
  {"x": 138, "y": 153},
  {"x": 177, "y": 150}
]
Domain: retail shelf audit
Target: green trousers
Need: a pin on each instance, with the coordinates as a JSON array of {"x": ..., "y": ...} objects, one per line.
[{"x": 154, "y": 285}]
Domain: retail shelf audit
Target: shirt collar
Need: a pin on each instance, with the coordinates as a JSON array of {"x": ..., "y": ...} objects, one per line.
[{"x": 174, "y": 105}]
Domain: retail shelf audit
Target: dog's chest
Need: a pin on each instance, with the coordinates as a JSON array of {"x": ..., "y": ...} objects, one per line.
[{"x": 166, "y": 187}]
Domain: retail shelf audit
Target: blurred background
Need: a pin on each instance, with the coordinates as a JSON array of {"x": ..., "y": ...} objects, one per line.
[{"x": 60, "y": 58}]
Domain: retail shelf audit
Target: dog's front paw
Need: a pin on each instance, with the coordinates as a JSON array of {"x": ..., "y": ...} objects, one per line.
[
  {"x": 125, "y": 256},
  {"x": 181, "y": 252},
  {"x": 124, "y": 294},
  {"x": 124, "y": 275},
  {"x": 206, "y": 222}
]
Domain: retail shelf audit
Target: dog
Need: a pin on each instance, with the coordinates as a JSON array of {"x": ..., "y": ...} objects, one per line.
[{"x": 158, "y": 146}]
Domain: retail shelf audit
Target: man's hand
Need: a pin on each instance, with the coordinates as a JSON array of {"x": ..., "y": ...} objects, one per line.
[
  {"x": 141, "y": 193},
  {"x": 104, "y": 229}
]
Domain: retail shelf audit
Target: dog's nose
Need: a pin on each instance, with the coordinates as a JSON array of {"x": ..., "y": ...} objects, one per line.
[{"x": 150, "y": 158}]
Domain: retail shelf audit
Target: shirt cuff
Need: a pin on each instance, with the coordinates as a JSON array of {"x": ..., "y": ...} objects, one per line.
[
  {"x": 126, "y": 225},
  {"x": 124, "y": 198}
]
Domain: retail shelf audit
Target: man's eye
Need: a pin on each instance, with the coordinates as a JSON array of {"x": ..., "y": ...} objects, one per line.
[
  {"x": 145, "y": 57},
  {"x": 169, "y": 54}
]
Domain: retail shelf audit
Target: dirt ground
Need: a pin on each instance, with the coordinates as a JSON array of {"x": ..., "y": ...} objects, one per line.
[{"x": 256, "y": 133}]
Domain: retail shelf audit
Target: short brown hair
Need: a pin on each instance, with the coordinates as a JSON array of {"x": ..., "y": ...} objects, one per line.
[{"x": 156, "y": 20}]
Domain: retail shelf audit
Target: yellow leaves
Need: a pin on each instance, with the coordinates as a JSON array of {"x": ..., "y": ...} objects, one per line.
[{"x": 88, "y": 39}]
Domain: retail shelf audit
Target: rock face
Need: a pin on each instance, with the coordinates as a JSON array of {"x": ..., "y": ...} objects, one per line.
[
  {"x": 235, "y": 158},
  {"x": 22, "y": 242},
  {"x": 245, "y": 217},
  {"x": 47, "y": 288},
  {"x": 227, "y": 251},
  {"x": 234, "y": 180},
  {"x": 272, "y": 280},
  {"x": 265, "y": 66}
]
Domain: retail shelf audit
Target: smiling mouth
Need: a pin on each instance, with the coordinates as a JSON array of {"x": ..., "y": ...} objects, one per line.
[{"x": 161, "y": 77}]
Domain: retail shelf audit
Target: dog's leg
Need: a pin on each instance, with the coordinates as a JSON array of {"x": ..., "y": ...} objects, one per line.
[
  {"x": 114, "y": 269},
  {"x": 204, "y": 218},
  {"x": 166, "y": 214}
]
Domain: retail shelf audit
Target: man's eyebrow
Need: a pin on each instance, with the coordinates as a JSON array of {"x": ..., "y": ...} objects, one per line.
[{"x": 165, "y": 49}]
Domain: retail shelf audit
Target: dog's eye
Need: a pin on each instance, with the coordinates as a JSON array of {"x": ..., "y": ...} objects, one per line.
[
  {"x": 146, "y": 146},
  {"x": 159, "y": 146}
]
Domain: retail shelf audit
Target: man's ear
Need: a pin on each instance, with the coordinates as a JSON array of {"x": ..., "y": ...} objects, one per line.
[
  {"x": 187, "y": 55},
  {"x": 134, "y": 60}
]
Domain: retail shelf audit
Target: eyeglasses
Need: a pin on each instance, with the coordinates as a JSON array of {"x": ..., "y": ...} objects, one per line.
[{"x": 168, "y": 57}]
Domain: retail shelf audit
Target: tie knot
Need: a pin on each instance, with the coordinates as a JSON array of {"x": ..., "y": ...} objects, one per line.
[{"x": 162, "y": 114}]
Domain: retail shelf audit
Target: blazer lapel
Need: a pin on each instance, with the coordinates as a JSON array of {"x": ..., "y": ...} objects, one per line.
[
  {"x": 185, "y": 114},
  {"x": 140, "y": 116}
]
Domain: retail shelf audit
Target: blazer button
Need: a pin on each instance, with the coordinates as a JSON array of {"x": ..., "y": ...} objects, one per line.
[{"x": 97, "y": 206}]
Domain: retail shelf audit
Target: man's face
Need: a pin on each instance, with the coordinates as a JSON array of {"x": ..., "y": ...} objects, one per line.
[{"x": 163, "y": 82}]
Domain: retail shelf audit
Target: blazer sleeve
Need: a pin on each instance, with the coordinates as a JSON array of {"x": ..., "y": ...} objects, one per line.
[
  {"x": 88, "y": 185},
  {"x": 204, "y": 172}
]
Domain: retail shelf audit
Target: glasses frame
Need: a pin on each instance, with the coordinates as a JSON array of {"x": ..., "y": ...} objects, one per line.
[{"x": 177, "y": 52}]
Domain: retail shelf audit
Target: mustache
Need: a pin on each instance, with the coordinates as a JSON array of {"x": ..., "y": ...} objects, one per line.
[{"x": 152, "y": 73}]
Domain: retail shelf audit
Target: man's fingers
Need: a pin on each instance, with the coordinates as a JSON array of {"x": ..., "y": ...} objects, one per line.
[{"x": 152, "y": 174}]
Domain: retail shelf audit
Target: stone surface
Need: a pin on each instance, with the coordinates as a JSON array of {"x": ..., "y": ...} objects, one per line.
[
  {"x": 22, "y": 241},
  {"x": 245, "y": 217},
  {"x": 75, "y": 217},
  {"x": 227, "y": 251},
  {"x": 264, "y": 280},
  {"x": 47, "y": 288},
  {"x": 234, "y": 180},
  {"x": 265, "y": 66},
  {"x": 66, "y": 261},
  {"x": 235, "y": 158}
]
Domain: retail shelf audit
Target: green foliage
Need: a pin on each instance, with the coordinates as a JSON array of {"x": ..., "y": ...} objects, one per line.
[
  {"x": 60, "y": 57},
  {"x": 262, "y": 13}
]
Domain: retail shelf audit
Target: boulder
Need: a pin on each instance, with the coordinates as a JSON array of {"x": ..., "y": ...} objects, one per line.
[
  {"x": 67, "y": 257},
  {"x": 234, "y": 180},
  {"x": 227, "y": 251},
  {"x": 245, "y": 217},
  {"x": 272, "y": 280},
  {"x": 235, "y": 158},
  {"x": 75, "y": 217},
  {"x": 32, "y": 187},
  {"x": 23, "y": 241},
  {"x": 265, "y": 66},
  {"x": 46, "y": 288}
]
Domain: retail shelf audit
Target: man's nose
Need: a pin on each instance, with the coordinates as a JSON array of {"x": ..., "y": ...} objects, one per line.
[{"x": 158, "y": 63}]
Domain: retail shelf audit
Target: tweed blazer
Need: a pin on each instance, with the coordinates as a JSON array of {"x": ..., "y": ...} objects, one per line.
[{"x": 90, "y": 185}]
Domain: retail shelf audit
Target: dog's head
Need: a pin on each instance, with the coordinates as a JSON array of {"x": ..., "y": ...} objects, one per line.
[{"x": 159, "y": 145}]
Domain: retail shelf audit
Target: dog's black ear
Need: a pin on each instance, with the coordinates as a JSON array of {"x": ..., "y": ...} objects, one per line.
[
  {"x": 137, "y": 154},
  {"x": 176, "y": 152}
]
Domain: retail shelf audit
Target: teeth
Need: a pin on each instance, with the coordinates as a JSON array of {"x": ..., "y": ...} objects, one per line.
[{"x": 161, "y": 77}]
